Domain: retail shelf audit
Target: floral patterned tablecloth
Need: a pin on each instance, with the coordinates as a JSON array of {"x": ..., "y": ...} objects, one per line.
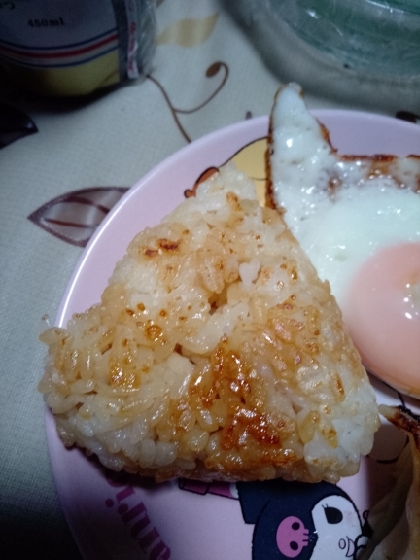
[{"x": 70, "y": 162}]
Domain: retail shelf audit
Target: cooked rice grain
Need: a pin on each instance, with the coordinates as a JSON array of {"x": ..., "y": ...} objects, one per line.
[{"x": 215, "y": 353}]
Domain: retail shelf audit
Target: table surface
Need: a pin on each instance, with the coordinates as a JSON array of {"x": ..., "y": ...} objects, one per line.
[{"x": 209, "y": 70}]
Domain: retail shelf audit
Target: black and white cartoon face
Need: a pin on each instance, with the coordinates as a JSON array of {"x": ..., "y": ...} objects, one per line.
[
  {"x": 295, "y": 520},
  {"x": 338, "y": 527}
]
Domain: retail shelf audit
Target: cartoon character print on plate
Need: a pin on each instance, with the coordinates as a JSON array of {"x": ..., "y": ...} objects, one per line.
[
  {"x": 250, "y": 160},
  {"x": 295, "y": 519}
]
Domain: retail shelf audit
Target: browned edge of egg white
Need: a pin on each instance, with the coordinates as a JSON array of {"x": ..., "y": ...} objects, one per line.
[
  {"x": 378, "y": 165},
  {"x": 404, "y": 419}
]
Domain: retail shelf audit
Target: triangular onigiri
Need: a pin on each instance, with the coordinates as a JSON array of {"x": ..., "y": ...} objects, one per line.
[{"x": 215, "y": 353}]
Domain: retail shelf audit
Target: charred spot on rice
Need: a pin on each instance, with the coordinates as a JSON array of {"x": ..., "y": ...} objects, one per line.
[{"x": 215, "y": 352}]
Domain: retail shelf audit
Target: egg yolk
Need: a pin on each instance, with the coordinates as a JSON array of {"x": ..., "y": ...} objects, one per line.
[{"x": 382, "y": 314}]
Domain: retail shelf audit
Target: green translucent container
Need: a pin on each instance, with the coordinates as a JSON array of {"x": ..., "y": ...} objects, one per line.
[{"x": 376, "y": 36}]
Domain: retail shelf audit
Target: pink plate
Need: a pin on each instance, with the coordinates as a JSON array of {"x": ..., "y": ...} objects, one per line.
[{"x": 117, "y": 516}]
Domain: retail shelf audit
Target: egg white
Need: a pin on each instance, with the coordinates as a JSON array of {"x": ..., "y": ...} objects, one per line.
[{"x": 341, "y": 227}]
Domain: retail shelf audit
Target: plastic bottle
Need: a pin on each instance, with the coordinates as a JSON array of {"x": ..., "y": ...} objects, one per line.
[{"x": 73, "y": 47}]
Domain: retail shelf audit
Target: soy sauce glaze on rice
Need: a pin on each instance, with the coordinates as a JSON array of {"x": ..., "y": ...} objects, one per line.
[{"x": 215, "y": 353}]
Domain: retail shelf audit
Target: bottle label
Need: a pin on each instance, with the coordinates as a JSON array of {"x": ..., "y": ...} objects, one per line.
[
  {"x": 56, "y": 34},
  {"x": 70, "y": 46}
]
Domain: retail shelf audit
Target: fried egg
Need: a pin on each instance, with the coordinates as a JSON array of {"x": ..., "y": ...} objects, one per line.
[{"x": 358, "y": 219}]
